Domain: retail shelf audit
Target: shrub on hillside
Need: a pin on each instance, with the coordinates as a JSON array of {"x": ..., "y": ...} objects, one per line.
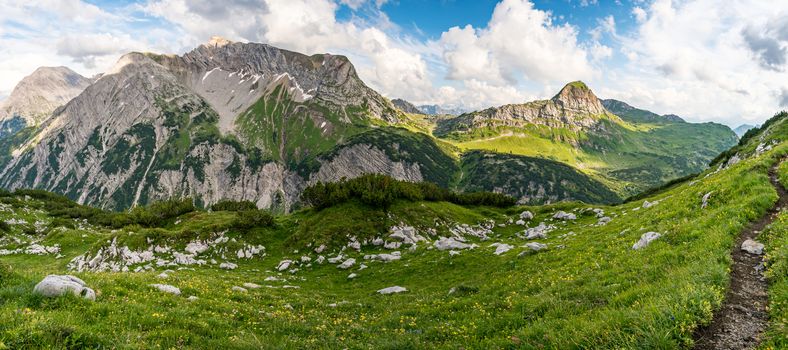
[
  {"x": 382, "y": 191},
  {"x": 157, "y": 213},
  {"x": 247, "y": 219},
  {"x": 231, "y": 205}
]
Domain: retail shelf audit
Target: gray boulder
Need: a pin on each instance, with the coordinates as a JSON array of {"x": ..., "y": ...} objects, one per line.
[
  {"x": 450, "y": 243},
  {"x": 392, "y": 290},
  {"x": 59, "y": 285},
  {"x": 347, "y": 264},
  {"x": 167, "y": 288},
  {"x": 526, "y": 215},
  {"x": 646, "y": 239},
  {"x": 562, "y": 215},
  {"x": 752, "y": 247}
]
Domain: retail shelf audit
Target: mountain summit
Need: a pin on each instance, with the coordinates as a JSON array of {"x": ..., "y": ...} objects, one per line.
[
  {"x": 575, "y": 108},
  {"x": 576, "y": 97},
  {"x": 38, "y": 95}
]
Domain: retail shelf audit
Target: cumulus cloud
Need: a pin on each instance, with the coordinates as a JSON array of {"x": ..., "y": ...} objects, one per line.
[
  {"x": 384, "y": 61},
  {"x": 694, "y": 58},
  {"x": 768, "y": 44},
  {"x": 518, "y": 42},
  {"x": 784, "y": 98},
  {"x": 86, "y": 48},
  {"x": 639, "y": 13}
]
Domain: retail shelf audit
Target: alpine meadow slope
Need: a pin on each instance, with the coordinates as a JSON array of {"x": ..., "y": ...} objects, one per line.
[{"x": 642, "y": 274}]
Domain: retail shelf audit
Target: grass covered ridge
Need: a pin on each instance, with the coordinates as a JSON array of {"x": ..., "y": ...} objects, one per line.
[{"x": 589, "y": 289}]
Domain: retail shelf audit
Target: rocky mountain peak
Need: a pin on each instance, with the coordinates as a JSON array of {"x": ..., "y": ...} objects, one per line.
[
  {"x": 578, "y": 97},
  {"x": 37, "y": 95},
  {"x": 217, "y": 41},
  {"x": 406, "y": 106}
]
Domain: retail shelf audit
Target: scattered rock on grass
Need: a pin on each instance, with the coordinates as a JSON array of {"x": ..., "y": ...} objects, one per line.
[
  {"x": 526, "y": 215},
  {"x": 228, "y": 266},
  {"x": 646, "y": 239},
  {"x": 284, "y": 265},
  {"x": 347, "y": 264},
  {"x": 251, "y": 286},
  {"x": 450, "y": 243},
  {"x": 166, "y": 288},
  {"x": 535, "y": 246},
  {"x": 59, "y": 285},
  {"x": 392, "y": 290},
  {"x": 384, "y": 257},
  {"x": 562, "y": 215},
  {"x": 239, "y": 289},
  {"x": 501, "y": 248},
  {"x": 705, "y": 200}
]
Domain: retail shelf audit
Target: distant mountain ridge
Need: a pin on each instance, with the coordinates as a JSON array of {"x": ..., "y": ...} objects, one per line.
[
  {"x": 636, "y": 115},
  {"x": 441, "y": 110},
  {"x": 406, "y": 106},
  {"x": 248, "y": 121},
  {"x": 742, "y": 129}
]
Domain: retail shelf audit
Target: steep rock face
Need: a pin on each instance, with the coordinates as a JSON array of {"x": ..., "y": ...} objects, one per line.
[
  {"x": 232, "y": 76},
  {"x": 156, "y": 127},
  {"x": 362, "y": 159},
  {"x": 121, "y": 142},
  {"x": 38, "y": 95},
  {"x": 575, "y": 108}
]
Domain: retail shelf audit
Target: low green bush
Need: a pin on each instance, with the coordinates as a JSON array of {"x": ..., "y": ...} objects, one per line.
[
  {"x": 380, "y": 191},
  {"x": 248, "y": 219},
  {"x": 231, "y": 205}
]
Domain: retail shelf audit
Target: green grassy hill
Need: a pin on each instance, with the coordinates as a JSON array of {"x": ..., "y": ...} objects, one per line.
[{"x": 583, "y": 286}]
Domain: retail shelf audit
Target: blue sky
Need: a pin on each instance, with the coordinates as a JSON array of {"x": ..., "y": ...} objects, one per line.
[{"x": 704, "y": 60}]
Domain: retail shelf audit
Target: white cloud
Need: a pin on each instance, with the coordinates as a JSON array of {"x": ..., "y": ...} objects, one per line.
[
  {"x": 694, "y": 58},
  {"x": 704, "y": 61},
  {"x": 639, "y": 13},
  {"x": 386, "y": 62},
  {"x": 88, "y": 48},
  {"x": 519, "y": 42}
]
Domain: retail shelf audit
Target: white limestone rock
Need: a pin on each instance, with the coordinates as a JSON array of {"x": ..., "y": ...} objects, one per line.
[
  {"x": 347, "y": 264},
  {"x": 392, "y": 290},
  {"x": 59, "y": 285},
  {"x": 166, "y": 288},
  {"x": 449, "y": 243},
  {"x": 284, "y": 265},
  {"x": 646, "y": 239},
  {"x": 752, "y": 247},
  {"x": 562, "y": 215},
  {"x": 501, "y": 248}
]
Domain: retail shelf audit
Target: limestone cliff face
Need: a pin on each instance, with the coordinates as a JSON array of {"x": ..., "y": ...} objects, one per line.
[
  {"x": 156, "y": 127},
  {"x": 365, "y": 159}
]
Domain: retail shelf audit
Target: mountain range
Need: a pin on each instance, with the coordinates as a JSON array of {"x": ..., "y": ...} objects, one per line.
[{"x": 249, "y": 121}]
